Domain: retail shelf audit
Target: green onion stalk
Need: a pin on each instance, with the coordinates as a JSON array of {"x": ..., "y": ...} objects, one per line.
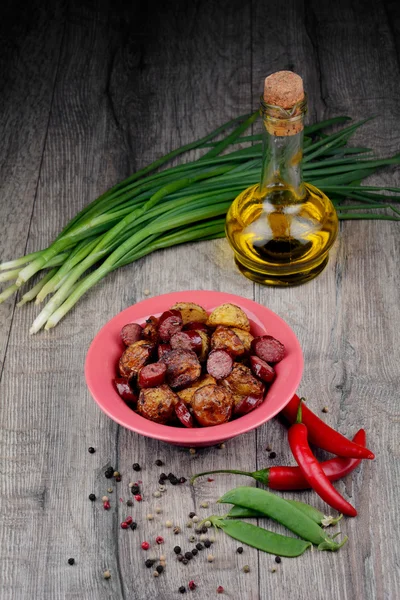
[{"x": 160, "y": 207}]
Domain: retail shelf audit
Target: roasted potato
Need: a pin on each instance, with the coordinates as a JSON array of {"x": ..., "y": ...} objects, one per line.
[
  {"x": 157, "y": 404},
  {"x": 242, "y": 382},
  {"x": 191, "y": 312},
  {"x": 229, "y": 315},
  {"x": 225, "y": 338},
  {"x": 205, "y": 346},
  {"x": 245, "y": 337},
  {"x": 212, "y": 405},
  {"x": 134, "y": 358},
  {"x": 187, "y": 395}
]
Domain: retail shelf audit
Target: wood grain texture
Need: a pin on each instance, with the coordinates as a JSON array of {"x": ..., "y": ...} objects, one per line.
[{"x": 93, "y": 91}]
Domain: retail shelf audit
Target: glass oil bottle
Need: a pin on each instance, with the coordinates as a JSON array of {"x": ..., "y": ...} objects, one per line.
[{"x": 281, "y": 230}]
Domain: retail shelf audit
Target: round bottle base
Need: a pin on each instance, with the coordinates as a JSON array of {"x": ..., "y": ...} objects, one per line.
[{"x": 282, "y": 280}]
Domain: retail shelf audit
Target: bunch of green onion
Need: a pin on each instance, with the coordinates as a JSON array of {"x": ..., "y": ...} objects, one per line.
[{"x": 155, "y": 209}]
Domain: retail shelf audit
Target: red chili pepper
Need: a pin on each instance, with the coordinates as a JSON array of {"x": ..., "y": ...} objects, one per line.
[
  {"x": 313, "y": 471},
  {"x": 291, "y": 478},
  {"x": 323, "y": 436}
]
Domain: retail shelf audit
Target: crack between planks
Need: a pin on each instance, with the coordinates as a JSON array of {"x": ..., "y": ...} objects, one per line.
[
  {"x": 36, "y": 188},
  {"x": 310, "y": 28}
]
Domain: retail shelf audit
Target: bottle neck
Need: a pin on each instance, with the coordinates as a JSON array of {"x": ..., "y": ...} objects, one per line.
[{"x": 283, "y": 150}]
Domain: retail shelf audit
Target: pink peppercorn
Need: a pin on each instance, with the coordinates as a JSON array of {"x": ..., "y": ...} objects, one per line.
[
  {"x": 192, "y": 585},
  {"x": 138, "y": 498},
  {"x": 145, "y": 545},
  {"x": 159, "y": 539},
  {"x": 106, "y": 505},
  {"x": 210, "y": 479},
  {"x": 220, "y": 589},
  {"x": 128, "y": 520},
  {"x": 124, "y": 525}
]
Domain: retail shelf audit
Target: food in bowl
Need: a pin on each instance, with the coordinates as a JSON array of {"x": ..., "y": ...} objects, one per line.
[{"x": 191, "y": 368}]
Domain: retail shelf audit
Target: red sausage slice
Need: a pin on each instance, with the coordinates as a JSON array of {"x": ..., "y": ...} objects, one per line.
[
  {"x": 169, "y": 323},
  {"x": 219, "y": 364},
  {"x": 163, "y": 349},
  {"x": 247, "y": 404},
  {"x": 261, "y": 369},
  {"x": 268, "y": 348},
  {"x": 187, "y": 340},
  {"x": 125, "y": 390},
  {"x": 152, "y": 375},
  {"x": 183, "y": 414},
  {"x": 131, "y": 333}
]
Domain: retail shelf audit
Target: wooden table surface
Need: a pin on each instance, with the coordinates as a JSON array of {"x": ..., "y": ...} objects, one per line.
[{"x": 92, "y": 91}]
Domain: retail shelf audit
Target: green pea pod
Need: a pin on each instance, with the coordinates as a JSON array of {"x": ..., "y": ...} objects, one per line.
[
  {"x": 282, "y": 511},
  {"x": 260, "y": 538},
  {"x": 239, "y": 512}
]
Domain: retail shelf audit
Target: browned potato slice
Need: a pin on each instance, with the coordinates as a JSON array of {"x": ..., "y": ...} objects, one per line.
[
  {"x": 241, "y": 381},
  {"x": 191, "y": 312},
  {"x": 187, "y": 395},
  {"x": 245, "y": 337},
  {"x": 205, "y": 346},
  {"x": 157, "y": 404},
  {"x": 134, "y": 358},
  {"x": 225, "y": 338},
  {"x": 229, "y": 315}
]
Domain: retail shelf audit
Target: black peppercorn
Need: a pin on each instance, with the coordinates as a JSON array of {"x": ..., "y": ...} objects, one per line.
[
  {"x": 159, "y": 462},
  {"x": 174, "y": 480},
  {"x": 195, "y": 551},
  {"x": 182, "y": 480},
  {"x": 239, "y": 550},
  {"x": 185, "y": 561},
  {"x": 188, "y": 555},
  {"x": 136, "y": 467},
  {"x": 71, "y": 561},
  {"x": 149, "y": 562},
  {"x": 191, "y": 515},
  {"x": 133, "y": 525},
  {"x": 135, "y": 489},
  {"x": 109, "y": 472},
  {"x": 272, "y": 454},
  {"x": 182, "y": 589},
  {"x": 204, "y": 529},
  {"x": 92, "y": 497},
  {"x": 118, "y": 478},
  {"x": 170, "y": 476},
  {"x": 163, "y": 476},
  {"x": 180, "y": 557},
  {"x": 91, "y": 450},
  {"x": 207, "y": 543},
  {"x": 159, "y": 568},
  {"x": 129, "y": 503},
  {"x": 177, "y": 549},
  {"x": 199, "y": 546},
  {"x": 278, "y": 559}
]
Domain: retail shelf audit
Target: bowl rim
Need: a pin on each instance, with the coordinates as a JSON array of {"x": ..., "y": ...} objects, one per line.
[{"x": 119, "y": 412}]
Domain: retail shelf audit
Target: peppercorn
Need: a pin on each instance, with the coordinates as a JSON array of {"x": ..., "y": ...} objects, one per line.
[
  {"x": 182, "y": 589},
  {"x": 116, "y": 474},
  {"x": 239, "y": 550},
  {"x": 210, "y": 479},
  {"x": 212, "y": 539},
  {"x": 106, "y": 574},
  {"x": 170, "y": 475},
  {"x": 157, "y": 494},
  {"x": 188, "y": 555},
  {"x": 91, "y": 450},
  {"x": 195, "y": 519},
  {"x": 207, "y": 524},
  {"x": 191, "y": 585},
  {"x": 272, "y": 455},
  {"x": 325, "y": 409},
  {"x": 221, "y": 446},
  {"x": 176, "y": 530},
  {"x": 268, "y": 448},
  {"x": 110, "y": 490},
  {"x": 109, "y": 472},
  {"x": 161, "y": 480},
  {"x": 124, "y": 525},
  {"x": 155, "y": 573},
  {"x": 159, "y": 462},
  {"x": 189, "y": 524},
  {"x": 246, "y": 569},
  {"x": 92, "y": 497},
  {"x": 203, "y": 537},
  {"x": 106, "y": 505},
  {"x": 104, "y": 499},
  {"x": 133, "y": 525},
  {"x": 168, "y": 524},
  {"x": 180, "y": 557},
  {"x": 278, "y": 559},
  {"x": 163, "y": 476},
  {"x": 177, "y": 549},
  {"x": 174, "y": 480},
  {"x": 149, "y": 562},
  {"x": 158, "y": 510},
  {"x": 162, "y": 488},
  {"x": 207, "y": 543},
  {"x": 210, "y": 558},
  {"x": 135, "y": 489},
  {"x": 128, "y": 520},
  {"x": 145, "y": 545},
  {"x": 129, "y": 503},
  {"x": 205, "y": 504},
  {"x": 149, "y": 517},
  {"x": 71, "y": 561},
  {"x": 185, "y": 561},
  {"x": 198, "y": 530},
  {"x": 159, "y": 539},
  {"x": 118, "y": 478},
  {"x": 138, "y": 498},
  {"x": 192, "y": 538},
  {"x": 162, "y": 558},
  {"x": 192, "y": 451},
  {"x": 182, "y": 479},
  {"x": 159, "y": 568},
  {"x": 199, "y": 546},
  {"x": 204, "y": 529},
  {"x": 136, "y": 467},
  {"x": 191, "y": 515},
  {"x": 195, "y": 551},
  {"x": 273, "y": 570},
  {"x": 220, "y": 589}
]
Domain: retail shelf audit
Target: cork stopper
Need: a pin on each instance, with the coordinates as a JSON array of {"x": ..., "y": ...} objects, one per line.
[{"x": 284, "y": 89}]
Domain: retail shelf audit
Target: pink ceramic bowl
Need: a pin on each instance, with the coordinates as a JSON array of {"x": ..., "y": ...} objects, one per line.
[{"x": 106, "y": 348}]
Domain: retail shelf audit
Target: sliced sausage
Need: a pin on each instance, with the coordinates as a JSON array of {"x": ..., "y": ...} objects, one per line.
[
  {"x": 131, "y": 333},
  {"x": 163, "y": 349},
  {"x": 125, "y": 390},
  {"x": 212, "y": 405},
  {"x": 183, "y": 414},
  {"x": 152, "y": 375},
  {"x": 219, "y": 364},
  {"x": 187, "y": 394},
  {"x": 261, "y": 369},
  {"x": 224, "y": 338},
  {"x": 247, "y": 404},
  {"x": 242, "y": 381},
  {"x": 268, "y": 348},
  {"x": 196, "y": 326},
  {"x": 169, "y": 323},
  {"x": 183, "y": 368},
  {"x": 157, "y": 404},
  {"x": 150, "y": 330},
  {"x": 187, "y": 340},
  {"x": 134, "y": 358}
]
